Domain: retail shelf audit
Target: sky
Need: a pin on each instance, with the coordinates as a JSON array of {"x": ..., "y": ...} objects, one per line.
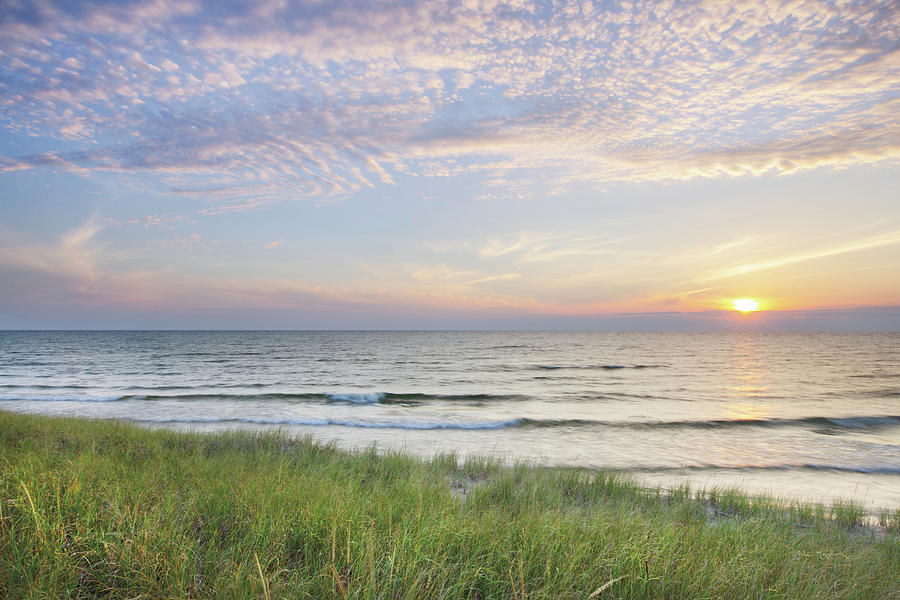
[{"x": 449, "y": 165}]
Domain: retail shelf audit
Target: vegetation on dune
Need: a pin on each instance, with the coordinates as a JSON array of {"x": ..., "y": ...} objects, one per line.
[{"x": 95, "y": 509}]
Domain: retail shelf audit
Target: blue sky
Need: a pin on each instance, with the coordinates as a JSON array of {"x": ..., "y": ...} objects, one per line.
[{"x": 449, "y": 165}]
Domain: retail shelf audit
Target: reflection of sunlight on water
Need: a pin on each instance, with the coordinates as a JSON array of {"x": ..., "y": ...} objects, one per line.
[
  {"x": 747, "y": 412},
  {"x": 748, "y": 380},
  {"x": 748, "y": 391}
]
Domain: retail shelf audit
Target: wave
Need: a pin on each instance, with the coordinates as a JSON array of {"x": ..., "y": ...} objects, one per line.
[
  {"x": 346, "y": 398},
  {"x": 860, "y": 422},
  {"x": 854, "y": 422},
  {"x": 884, "y": 393},
  {"x": 371, "y": 398},
  {"x": 869, "y": 470},
  {"x": 66, "y": 399},
  {"x": 857, "y": 422},
  {"x": 177, "y": 388},
  {"x": 342, "y": 398},
  {"x": 825, "y": 424},
  {"x": 412, "y": 398},
  {"x": 12, "y": 386},
  {"x": 414, "y": 425},
  {"x": 597, "y": 367},
  {"x": 868, "y": 422}
]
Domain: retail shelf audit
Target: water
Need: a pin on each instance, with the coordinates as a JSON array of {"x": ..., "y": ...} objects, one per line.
[{"x": 813, "y": 416}]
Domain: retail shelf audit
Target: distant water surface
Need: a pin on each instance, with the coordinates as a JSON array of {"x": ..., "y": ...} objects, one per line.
[{"x": 806, "y": 415}]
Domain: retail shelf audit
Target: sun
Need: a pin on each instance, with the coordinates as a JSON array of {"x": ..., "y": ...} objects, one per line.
[{"x": 745, "y": 305}]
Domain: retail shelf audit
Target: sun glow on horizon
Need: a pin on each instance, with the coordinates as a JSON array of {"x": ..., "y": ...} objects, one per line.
[{"x": 745, "y": 305}]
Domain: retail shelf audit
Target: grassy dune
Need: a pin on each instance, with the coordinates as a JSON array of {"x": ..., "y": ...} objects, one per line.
[{"x": 94, "y": 509}]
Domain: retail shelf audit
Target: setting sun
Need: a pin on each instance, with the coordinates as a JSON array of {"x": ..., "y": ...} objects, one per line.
[{"x": 746, "y": 305}]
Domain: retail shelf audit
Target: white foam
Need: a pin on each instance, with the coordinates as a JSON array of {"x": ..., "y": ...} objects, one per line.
[{"x": 370, "y": 398}]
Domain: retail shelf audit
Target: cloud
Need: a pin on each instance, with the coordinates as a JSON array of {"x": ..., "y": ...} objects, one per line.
[
  {"x": 501, "y": 277},
  {"x": 382, "y": 174},
  {"x": 184, "y": 242},
  {"x": 548, "y": 247},
  {"x": 74, "y": 256},
  {"x": 877, "y": 241},
  {"x": 162, "y": 221},
  {"x": 269, "y": 101},
  {"x": 273, "y": 244}
]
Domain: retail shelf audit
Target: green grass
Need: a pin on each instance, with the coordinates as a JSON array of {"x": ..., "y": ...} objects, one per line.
[{"x": 95, "y": 509}]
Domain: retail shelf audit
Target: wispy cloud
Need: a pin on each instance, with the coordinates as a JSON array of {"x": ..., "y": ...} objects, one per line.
[
  {"x": 876, "y": 241},
  {"x": 162, "y": 221},
  {"x": 595, "y": 92},
  {"x": 191, "y": 240},
  {"x": 74, "y": 256},
  {"x": 502, "y": 277},
  {"x": 546, "y": 247}
]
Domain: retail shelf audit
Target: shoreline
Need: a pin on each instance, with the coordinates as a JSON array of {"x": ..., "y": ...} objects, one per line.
[
  {"x": 755, "y": 483},
  {"x": 105, "y": 508},
  {"x": 698, "y": 479}
]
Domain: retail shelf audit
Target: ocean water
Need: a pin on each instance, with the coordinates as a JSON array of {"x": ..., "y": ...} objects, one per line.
[{"x": 813, "y": 416}]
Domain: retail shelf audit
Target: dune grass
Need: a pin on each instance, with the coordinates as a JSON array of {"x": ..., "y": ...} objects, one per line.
[{"x": 96, "y": 509}]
